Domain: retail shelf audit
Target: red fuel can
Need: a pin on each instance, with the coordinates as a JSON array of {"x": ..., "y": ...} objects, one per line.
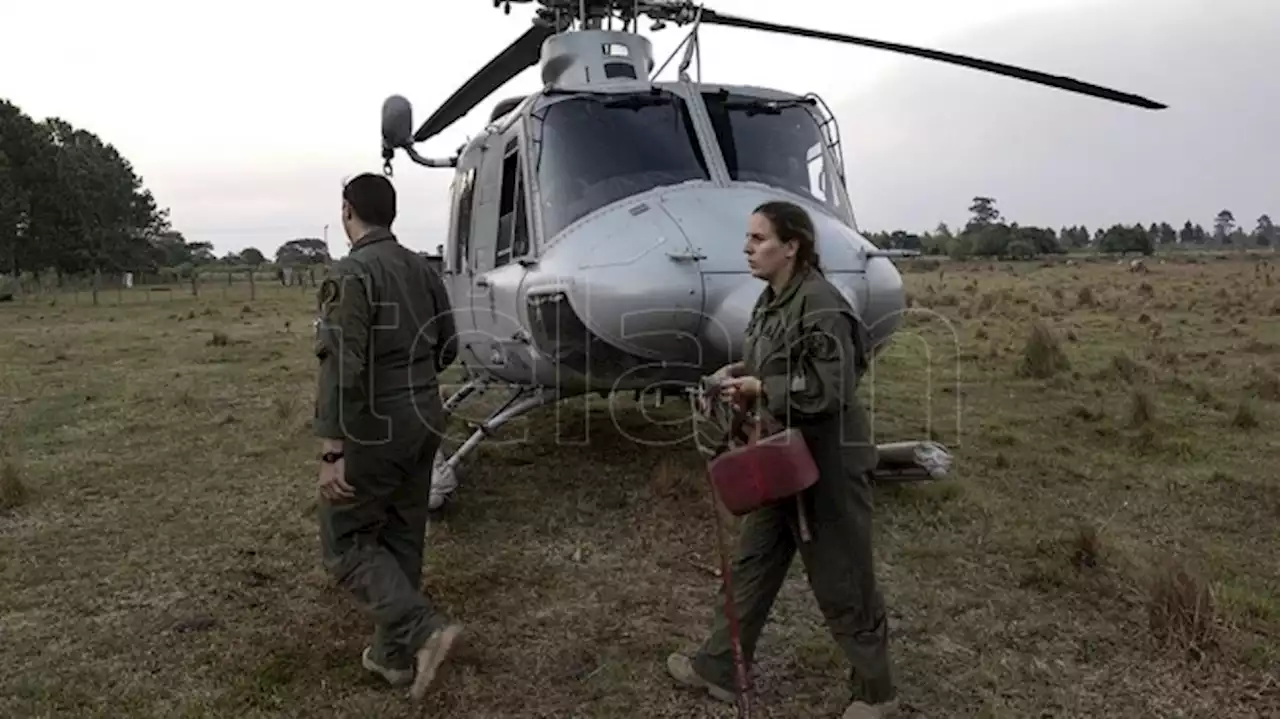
[{"x": 763, "y": 471}]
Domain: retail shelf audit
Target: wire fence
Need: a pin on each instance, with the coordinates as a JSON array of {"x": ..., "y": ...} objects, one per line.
[{"x": 124, "y": 288}]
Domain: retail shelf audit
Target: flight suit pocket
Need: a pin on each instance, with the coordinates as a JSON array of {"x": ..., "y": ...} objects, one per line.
[{"x": 777, "y": 345}]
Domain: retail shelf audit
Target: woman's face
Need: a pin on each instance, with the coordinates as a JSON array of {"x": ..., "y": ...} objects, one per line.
[{"x": 767, "y": 256}]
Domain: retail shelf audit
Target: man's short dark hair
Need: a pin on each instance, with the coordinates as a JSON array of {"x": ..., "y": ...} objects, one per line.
[{"x": 372, "y": 198}]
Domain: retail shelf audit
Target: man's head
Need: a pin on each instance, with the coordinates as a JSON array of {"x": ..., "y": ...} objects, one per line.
[{"x": 368, "y": 201}]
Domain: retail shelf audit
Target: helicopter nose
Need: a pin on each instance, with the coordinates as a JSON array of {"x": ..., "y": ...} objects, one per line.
[
  {"x": 725, "y": 324},
  {"x": 636, "y": 285},
  {"x": 661, "y": 283},
  {"x": 714, "y": 219}
]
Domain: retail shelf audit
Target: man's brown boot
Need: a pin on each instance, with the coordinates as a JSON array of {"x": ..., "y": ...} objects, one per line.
[{"x": 431, "y": 656}]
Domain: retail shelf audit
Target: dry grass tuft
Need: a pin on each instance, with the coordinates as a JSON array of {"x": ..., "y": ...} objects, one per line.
[
  {"x": 1085, "y": 297},
  {"x": 1124, "y": 367},
  {"x": 676, "y": 479},
  {"x": 1181, "y": 610},
  {"x": 1264, "y": 384},
  {"x": 1142, "y": 408},
  {"x": 1203, "y": 393},
  {"x": 1245, "y": 416},
  {"x": 1088, "y": 548},
  {"x": 13, "y": 491},
  {"x": 1042, "y": 356},
  {"x": 286, "y": 407}
]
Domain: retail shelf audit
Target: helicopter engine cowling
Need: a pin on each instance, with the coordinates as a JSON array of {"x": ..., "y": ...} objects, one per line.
[{"x": 595, "y": 56}]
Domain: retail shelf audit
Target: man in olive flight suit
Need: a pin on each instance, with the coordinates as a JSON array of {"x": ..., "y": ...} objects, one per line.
[
  {"x": 807, "y": 348},
  {"x": 384, "y": 332}
]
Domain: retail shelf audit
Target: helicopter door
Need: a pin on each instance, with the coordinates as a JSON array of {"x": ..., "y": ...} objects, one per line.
[
  {"x": 495, "y": 306},
  {"x": 460, "y": 266}
]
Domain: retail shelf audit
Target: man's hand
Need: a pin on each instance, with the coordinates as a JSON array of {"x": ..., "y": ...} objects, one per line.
[{"x": 333, "y": 481}]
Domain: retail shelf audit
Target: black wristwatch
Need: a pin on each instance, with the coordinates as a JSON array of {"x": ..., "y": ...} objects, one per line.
[{"x": 331, "y": 457}]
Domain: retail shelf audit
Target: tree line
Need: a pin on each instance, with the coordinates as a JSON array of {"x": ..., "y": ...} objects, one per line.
[
  {"x": 988, "y": 234},
  {"x": 71, "y": 203}
]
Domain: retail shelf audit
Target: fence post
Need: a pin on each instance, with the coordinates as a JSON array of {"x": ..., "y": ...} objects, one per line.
[
  {"x": 97, "y": 282},
  {"x": 195, "y": 292},
  {"x": 253, "y": 288}
]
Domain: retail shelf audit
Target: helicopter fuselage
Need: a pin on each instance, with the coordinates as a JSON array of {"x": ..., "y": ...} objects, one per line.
[
  {"x": 597, "y": 234},
  {"x": 597, "y": 225}
]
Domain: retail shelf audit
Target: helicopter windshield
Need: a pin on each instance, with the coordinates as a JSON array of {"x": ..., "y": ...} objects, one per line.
[
  {"x": 595, "y": 149},
  {"x": 776, "y": 143}
]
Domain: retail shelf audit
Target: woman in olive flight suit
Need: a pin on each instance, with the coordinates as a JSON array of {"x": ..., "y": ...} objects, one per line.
[{"x": 805, "y": 350}]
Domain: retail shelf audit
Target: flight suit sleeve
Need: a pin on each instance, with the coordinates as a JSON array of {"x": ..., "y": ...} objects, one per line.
[
  {"x": 447, "y": 330},
  {"x": 342, "y": 341},
  {"x": 823, "y": 365}
]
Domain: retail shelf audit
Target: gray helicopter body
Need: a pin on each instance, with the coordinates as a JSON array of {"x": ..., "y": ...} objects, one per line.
[
  {"x": 626, "y": 290},
  {"x": 597, "y": 225}
]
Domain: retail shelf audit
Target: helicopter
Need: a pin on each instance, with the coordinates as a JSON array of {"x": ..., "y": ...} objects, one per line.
[{"x": 591, "y": 244}]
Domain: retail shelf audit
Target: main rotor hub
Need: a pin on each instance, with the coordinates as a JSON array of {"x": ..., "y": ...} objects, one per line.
[{"x": 591, "y": 14}]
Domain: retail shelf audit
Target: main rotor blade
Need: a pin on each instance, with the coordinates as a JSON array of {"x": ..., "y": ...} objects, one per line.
[
  {"x": 712, "y": 17},
  {"x": 520, "y": 55}
]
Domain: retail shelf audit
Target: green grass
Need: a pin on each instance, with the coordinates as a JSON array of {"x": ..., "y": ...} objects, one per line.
[{"x": 159, "y": 557}]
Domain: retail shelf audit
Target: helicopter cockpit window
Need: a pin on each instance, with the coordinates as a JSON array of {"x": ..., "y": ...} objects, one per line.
[
  {"x": 774, "y": 143},
  {"x": 593, "y": 150}
]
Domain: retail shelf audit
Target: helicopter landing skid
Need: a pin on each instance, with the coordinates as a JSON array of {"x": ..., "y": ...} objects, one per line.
[{"x": 523, "y": 399}]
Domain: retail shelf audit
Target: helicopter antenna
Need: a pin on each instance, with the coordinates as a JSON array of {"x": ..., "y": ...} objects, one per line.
[
  {"x": 671, "y": 57},
  {"x": 693, "y": 51},
  {"x": 685, "y": 44}
]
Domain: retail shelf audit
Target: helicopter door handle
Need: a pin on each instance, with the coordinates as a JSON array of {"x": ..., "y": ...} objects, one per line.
[
  {"x": 482, "y": 281},
  {"x": 686, "y": 256}
]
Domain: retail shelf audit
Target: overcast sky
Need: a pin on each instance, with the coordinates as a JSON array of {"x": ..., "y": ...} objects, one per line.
[
  {"x": 929, "y": 137},
  {"x": 244, "y": 117}
]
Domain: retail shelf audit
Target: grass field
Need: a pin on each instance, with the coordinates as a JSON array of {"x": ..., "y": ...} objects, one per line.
[{"x": 1107, "y": 546}]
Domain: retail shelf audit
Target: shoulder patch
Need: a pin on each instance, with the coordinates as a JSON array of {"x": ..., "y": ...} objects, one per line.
[
  {"x": 328, "y": 294},
  {"x": 820, "y": 344}
]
